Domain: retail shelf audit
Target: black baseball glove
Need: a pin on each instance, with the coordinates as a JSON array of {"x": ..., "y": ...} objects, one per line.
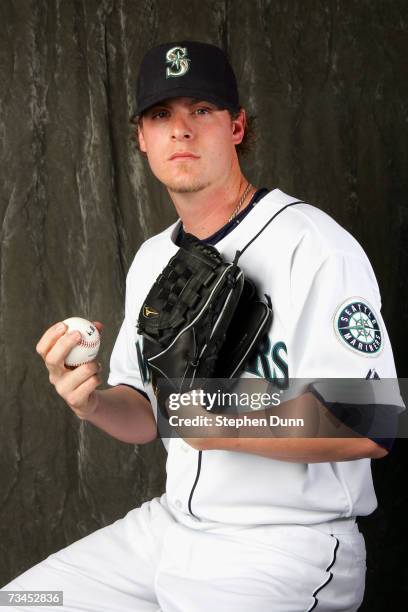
[{"x": 201, "y": 319}]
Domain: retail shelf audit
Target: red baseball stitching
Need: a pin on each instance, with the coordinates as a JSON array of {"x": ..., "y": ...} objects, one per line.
[
  {"x": 75, "y": 365},
  {"x": 89, "y": 344}
]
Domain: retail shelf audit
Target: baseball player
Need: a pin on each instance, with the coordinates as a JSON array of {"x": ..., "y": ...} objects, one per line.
[{"x": 245, "y": 523}]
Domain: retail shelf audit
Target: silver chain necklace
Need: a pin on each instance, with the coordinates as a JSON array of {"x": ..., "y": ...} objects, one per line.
[{"x": 240, "y": 203}]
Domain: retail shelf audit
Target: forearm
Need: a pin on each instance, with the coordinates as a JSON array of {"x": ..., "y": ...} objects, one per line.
[
  {"x": 125, "y": 414},
  {"x": 300, "y": 450},
  {"x": 318, "y": 436}
]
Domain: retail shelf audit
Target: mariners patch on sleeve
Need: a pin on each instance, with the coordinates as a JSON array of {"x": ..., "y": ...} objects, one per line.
[{"x": 357, "y": 326}]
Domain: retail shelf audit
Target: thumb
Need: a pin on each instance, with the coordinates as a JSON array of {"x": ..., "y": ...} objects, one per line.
[{"x": 99, "y": 326}]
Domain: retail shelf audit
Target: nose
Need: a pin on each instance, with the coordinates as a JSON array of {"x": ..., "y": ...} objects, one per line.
[{"x": 180, "y": 128}]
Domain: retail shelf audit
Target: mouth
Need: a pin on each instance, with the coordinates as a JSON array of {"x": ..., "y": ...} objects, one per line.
[{"x": 183, "y": 155}]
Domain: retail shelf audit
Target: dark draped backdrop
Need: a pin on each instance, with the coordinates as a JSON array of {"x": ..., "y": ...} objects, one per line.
[{"x": 325, "y": 80}]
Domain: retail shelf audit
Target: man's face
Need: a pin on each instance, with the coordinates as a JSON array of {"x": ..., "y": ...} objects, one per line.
[{"x": 190, "y": 144}]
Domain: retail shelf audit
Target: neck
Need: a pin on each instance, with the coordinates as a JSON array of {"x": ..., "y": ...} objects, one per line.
[{"x": 206, "y": 211}]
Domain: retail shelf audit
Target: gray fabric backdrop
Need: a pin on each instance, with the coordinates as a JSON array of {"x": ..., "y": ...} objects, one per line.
[{"x": 326, "y": 81}]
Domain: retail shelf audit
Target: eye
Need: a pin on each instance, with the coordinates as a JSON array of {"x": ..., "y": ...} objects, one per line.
[
  {"x": 159, "y": 114},
  {"x": 202, "y": 110}
]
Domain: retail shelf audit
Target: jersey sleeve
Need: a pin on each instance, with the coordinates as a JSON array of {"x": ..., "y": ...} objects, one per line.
[
  {"x": 124, "y": 367},
  {"x": 339, "y": 333},
  {"x": 125, "y": 363}
]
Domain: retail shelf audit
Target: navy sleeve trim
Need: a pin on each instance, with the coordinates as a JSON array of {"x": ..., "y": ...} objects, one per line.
[
  {"x": 374, "y": 421},
  {"x": 386, "y": 443},
  {"x": 135, "y": 389}
]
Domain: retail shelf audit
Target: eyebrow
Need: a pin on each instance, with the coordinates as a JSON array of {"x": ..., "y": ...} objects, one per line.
[
  {"x": 200, "y": 101},
  {"x": 192, "y": 102}
]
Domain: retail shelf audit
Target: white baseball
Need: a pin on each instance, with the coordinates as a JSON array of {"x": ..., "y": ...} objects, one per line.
[{"x": 88, "y": 347}]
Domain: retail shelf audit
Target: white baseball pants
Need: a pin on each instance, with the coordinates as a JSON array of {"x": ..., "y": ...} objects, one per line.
[{"x": 156, "y": 560}]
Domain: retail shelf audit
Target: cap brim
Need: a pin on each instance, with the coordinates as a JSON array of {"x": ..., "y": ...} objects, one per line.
[{"x": 185, "y": 92}]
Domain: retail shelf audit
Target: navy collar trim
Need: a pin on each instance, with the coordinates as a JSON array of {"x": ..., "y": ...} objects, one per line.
[{"x": 228, "y": 227}]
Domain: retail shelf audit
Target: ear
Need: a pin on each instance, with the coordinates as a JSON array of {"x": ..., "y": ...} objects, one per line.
[
  {"x": 142, "y": 143},
  {"x": 238, "y": 127}
]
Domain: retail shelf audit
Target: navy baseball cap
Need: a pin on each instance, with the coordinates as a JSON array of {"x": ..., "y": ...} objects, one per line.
[{"x": 186, "y": 69}]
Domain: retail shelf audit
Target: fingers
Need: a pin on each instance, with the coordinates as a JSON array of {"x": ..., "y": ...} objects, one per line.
[
  {"x": 72, "y": 379},
  {"x": 74, "y": 385},
  {"x": 79, "y": 398},
  {"x": 53, "y": 334},
  {"x": 49, "y": 338},
  {"x": 54, "y": 346},
  {"x": 55, "y": 358}
]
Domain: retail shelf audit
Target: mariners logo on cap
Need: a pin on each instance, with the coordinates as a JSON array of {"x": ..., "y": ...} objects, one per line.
[
  {"x": 357, "y": 326},
  {"x": 179, "y": 62}
]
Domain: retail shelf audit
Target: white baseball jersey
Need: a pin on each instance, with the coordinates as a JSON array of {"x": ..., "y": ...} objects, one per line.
[
  {"x": 321, "y": 284},
  {"x": 236, "y": 527}
]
